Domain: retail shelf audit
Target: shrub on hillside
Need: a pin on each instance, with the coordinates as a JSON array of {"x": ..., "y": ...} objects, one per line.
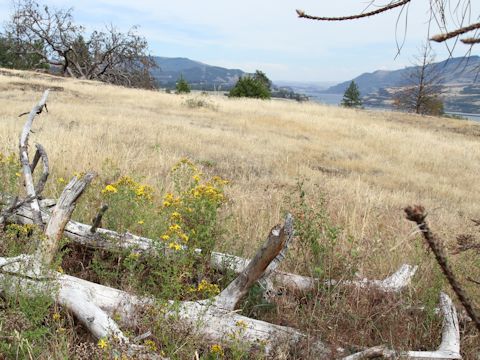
[
  {"x": 257, "y": 86},
  {"x": 182, "y": 86}
]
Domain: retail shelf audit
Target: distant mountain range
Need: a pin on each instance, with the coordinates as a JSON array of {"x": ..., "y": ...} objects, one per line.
[
  {"x": 461, "y": 88},
  {"x": 199, "y": 75}
]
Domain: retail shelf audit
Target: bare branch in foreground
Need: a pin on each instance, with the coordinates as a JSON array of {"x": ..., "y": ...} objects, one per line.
[
  {"x": 301, "y": 13},
  {"x": 417, "y": 214},
  {"x": 27, "y": 172},
  {"x": 455, "y": 33}
]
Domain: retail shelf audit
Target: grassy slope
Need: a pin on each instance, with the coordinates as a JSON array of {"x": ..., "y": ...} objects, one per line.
[{"x": 369, "y": 165}]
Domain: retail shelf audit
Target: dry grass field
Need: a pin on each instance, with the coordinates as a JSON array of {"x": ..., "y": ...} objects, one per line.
[{"x": 363, "y": 167}]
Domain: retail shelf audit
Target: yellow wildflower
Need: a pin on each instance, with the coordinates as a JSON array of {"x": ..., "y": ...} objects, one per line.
[
  {"x": 109, "y": 189},
  {"x": 102, "y": 343},
  {"x": 174, "y": 227},
  {"x": 165, "y": 237},
  {"x": 167, "y": 203},
  {"x": 133, "y": 256},
  {"x": 60, "y": 269},
  {"x": 196, "y": 177},
  {"x": 184, "y": 237},
  {"x": 242, "y": 324},
  {"x": 17, "y": 174},
  {"x": 217, "y": 350},
  {"x": 150, "y": 344},
  {"x": 56, "y": 316},
  {"x": 140, "y": 222},
  {"x": 176, "y": 215},
  {"x": 174, "y": 246}
]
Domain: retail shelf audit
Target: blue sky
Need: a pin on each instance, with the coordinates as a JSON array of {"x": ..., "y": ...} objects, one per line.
[{"x": 267, "y": 34}]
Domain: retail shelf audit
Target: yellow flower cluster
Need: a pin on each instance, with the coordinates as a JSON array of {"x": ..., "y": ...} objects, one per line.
[
  {"x": 175, "y": 233},
  {"x": 141, "y": 191},
  {"x": 206, "y": 288},
  {"x": 207, "y": 191},
  {"x": 20, "y": 230},
  {"x": 150, "y": 344},
  {"x": 217, "y": 350},
  {"x": 102, "y": 343},
  {"x": 184, "y": 162},
  {"x": 171, "y": 200}
]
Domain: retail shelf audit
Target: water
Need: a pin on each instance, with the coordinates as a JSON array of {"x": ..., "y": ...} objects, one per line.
[{"x": 335, "y": 99}]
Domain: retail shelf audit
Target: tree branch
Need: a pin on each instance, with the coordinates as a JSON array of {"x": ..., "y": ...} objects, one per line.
[{"x": 301, "y": 13}]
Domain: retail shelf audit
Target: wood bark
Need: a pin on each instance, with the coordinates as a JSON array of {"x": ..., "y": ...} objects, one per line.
[
  {"x": 27, "y": 171},
  {"x": 60, "y": 216}
]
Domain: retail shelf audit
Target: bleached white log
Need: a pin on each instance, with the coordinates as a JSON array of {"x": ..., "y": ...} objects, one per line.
[
  {"x": 95, "y": 305},
  {"x": 448, "y": 349},
  {"x": 27, "y": 171}
]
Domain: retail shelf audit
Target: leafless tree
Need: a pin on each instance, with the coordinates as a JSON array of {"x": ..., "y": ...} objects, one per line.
[
  {"x": 109, "y": 55},
  {"x": 422, "y": 88}
]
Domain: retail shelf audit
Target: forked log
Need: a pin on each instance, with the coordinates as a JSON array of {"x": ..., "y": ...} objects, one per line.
[
  {"x": 113, "y": 241},
  {"x": 448, "y": 349},
  {"x": 27, "y": 170},
  {"x": 95, "y": 304}
]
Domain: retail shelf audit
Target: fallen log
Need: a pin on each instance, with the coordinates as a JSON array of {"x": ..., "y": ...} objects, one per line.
[
  {"x": 113, "y": 241},
  {"x": 449, "y": 347},
  {"x": 94, "y": 305}
]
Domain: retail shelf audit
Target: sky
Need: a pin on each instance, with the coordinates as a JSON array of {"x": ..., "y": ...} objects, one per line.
[{"x": 267, "y": 34}]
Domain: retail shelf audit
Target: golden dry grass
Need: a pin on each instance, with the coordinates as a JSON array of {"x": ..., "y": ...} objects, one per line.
[{"x": 368, "y": 165}]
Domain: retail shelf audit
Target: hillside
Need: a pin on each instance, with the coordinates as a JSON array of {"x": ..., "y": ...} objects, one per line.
[
  {"x": 458, "y": 78},
  {"x": 199, "y": 75},
  {"x": 345, "y": 175}
]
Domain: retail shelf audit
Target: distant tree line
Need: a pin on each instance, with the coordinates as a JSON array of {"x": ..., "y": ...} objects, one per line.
[{"x": 38, "y": 37}]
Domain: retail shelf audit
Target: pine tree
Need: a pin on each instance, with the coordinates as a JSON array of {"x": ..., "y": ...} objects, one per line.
[
  {"x": 182, "y": 86},
  {"x": 351, "y": 97}
]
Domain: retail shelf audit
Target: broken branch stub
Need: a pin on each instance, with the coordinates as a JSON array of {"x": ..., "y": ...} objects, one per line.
[
  {"x": 60, "y": 216},
  {"x": 278, "y": 237},
  {"x": 27, "y": 171}
]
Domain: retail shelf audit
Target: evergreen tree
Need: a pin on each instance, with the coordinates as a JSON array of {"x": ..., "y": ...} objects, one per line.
[
  {"x": 252, "y": 87},
  {"x": 182, "y": 86},
  {"x": 351, "y": 97}
]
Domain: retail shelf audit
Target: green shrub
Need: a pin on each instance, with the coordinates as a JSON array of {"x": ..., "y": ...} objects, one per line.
[
  {"x": 250, "y": 87},
  {"x": 182, "y": 86}
]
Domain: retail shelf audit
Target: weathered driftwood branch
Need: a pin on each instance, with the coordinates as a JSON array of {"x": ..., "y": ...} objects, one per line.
[
  {"x": 257, "y": 267},
  {"x": 417, "y": 214},
  {"x": 110, "y": 240},
  {"x": 27, "y": 171},
  {"x": 60, "y": 216},
  {"x": 449, "y": 347},
  {"x": 40, "y": 154}
]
